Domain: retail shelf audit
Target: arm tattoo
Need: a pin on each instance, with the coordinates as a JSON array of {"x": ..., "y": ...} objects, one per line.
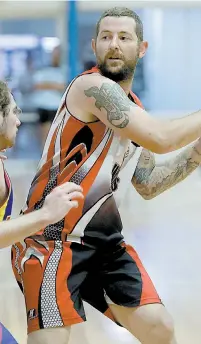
[
  {"x": 150, "y": 179},
  {"x": 114, "y": 100}
]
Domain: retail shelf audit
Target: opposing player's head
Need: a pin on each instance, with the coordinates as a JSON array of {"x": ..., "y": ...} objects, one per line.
[
  {"x": 9, "y": 121},
  {"x": 119, "y": 43}
]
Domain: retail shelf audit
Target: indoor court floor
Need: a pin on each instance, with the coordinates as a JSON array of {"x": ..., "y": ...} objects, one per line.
[{"x": 166, "y": 233}]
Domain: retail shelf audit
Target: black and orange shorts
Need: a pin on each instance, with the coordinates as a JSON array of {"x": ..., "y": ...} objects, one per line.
[{"x": 56, "y": 277}]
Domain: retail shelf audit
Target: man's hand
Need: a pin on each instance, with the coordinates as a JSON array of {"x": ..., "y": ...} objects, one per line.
[
  {"x": 56, "y": 206},
  {"x": 60, "y": 201}
]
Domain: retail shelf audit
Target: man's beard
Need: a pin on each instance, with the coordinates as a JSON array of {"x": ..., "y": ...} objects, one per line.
[{"x": 125, "y": 73}]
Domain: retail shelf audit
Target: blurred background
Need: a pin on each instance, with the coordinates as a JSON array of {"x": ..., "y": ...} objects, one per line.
[{"x": 49, "y": 42}]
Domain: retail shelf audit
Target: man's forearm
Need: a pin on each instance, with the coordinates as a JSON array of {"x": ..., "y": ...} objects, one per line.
[
  {"x": 17, "y": 229},
  {"x": 150, "y": 180},
  {"x": 182, "y": 131}
]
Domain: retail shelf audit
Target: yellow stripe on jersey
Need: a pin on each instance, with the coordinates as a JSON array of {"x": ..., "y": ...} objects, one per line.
[{"x": 6, "y": 208}]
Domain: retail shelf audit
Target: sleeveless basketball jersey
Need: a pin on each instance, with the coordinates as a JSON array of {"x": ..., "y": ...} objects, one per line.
[
  {"x": 5, "y": 213},
  {"x": 6, "y": 208},
  {"x": 90, "y": 155}
]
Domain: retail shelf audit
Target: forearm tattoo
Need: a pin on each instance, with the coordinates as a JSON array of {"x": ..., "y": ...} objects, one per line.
[{"x": 151, "y": 180}]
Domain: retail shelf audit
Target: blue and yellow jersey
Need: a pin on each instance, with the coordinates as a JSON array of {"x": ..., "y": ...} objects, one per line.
[
  {"x": 5, "y": 336},
  {"x": 5, "y": 213},
  {"x": 6, "y": 208}
]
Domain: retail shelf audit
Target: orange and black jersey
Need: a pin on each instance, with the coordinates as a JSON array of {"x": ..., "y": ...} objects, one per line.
[{"x": 93, "y": 156}]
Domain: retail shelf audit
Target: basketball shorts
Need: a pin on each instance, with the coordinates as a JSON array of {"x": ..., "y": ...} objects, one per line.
[{"x": 56, "y": 277}]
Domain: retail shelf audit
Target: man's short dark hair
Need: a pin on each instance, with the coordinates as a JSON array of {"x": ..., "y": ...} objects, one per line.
[
  {"x": 123, "y": 12},
  {"x": 4, "y": 98}
]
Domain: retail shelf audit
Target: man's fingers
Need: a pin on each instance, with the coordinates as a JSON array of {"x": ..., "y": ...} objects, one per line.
[
  {"x": 75, "y": 195},
  {"x": 74, "y": 204},
  {"x": 70, "y": 187}
]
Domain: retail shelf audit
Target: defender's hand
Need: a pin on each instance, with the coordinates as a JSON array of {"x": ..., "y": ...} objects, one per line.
[{"x": 61, "y": 200}]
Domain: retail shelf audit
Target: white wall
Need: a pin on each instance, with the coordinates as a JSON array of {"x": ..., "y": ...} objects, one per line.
[
  {"x": 32, "y": 9},
  {"x": 49, "y": 8},
  {"x": 101, "y": 5},
  {"x": 173, "y": 70}
]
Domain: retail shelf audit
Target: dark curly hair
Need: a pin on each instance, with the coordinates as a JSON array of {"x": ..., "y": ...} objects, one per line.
[
  {"x": 123, "y": 12},
  {"x": 4, "y": 98}
]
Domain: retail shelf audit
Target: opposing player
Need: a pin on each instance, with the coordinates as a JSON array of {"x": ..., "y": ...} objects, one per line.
[
  {"x": 96, "y": 140},
  {"x": 57, "y": 204}
]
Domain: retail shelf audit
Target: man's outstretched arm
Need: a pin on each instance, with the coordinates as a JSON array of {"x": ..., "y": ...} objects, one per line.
[
  {"x": 151, "y": 179},
  {"x": 108, "y": 102}
]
